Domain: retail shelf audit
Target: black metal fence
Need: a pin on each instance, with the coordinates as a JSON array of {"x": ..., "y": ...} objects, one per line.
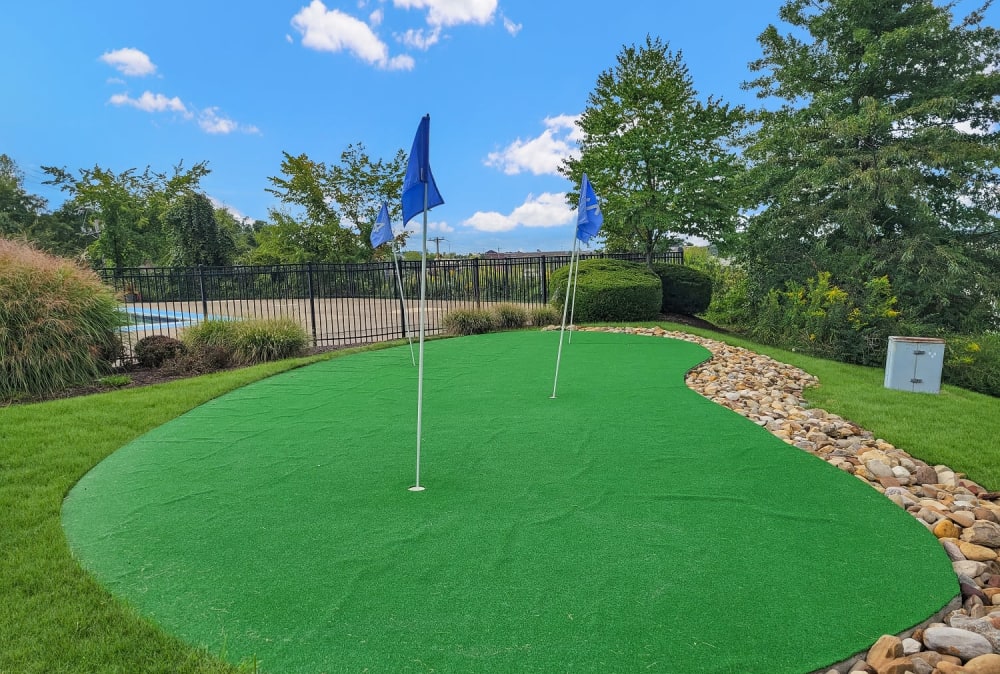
[{"x": 338, "y": 304}]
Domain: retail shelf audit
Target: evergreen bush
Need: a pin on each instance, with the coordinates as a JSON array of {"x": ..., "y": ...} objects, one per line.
[
  {"x": 58, "y": 323},
  {"x": 686, "y": 290},
  {"x": 610, "y": 290}
]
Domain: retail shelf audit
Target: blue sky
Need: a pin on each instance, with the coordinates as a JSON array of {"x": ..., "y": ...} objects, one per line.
[{"x": 125, "y": 85}]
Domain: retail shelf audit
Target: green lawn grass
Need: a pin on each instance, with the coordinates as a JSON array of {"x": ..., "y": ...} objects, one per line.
[{"x": 55, "y": 618}]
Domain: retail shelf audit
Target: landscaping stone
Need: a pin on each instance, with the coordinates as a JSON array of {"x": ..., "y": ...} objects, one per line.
[{"x": 958, "y": 642}]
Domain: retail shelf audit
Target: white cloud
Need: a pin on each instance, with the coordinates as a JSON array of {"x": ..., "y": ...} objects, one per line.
[
  {"x": 414, "y": 226},
  {"x": 375, "y": 18},
  {"x": 212, "y": 122},
  {"x": 453, "y": 12},
  {"x": 334, "y": 31},
  {"x": 419, "y": 38},
  {"x": 150, "y": 102},
  {"x": 511, "y": 27},
  {"x": 128, "y": 61},
  {"x": 541, "y": 155},
  {"x": 546, "y": 210}
]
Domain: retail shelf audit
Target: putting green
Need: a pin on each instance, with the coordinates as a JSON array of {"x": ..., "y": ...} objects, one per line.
[{"x": 627, "y": 525}]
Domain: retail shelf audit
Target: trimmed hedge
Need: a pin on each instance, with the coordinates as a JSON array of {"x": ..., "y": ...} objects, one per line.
[
  {"x": 610, "y": 290},
  {"x": 686, "y": 291}
]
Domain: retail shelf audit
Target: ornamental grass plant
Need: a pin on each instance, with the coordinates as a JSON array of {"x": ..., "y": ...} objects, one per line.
[{"x": 58, "y": 323}]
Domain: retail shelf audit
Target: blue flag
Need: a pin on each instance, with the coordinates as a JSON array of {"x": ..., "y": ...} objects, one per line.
[
  {"x": 418, "y": 174},
  {"x": 588, "y": 215},
  {"x": 382, "y": 229}
]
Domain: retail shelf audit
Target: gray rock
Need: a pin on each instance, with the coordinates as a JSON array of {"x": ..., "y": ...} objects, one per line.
[
  {"x": 983, "y": 533},
  {"x": 958, "y": 642}
]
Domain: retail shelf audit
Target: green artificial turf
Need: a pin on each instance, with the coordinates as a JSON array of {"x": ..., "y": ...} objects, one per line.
[{"x": 626, "y": 525}]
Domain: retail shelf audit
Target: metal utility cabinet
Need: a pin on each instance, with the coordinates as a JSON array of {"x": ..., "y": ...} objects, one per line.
[{"x": 914, "y": 364}]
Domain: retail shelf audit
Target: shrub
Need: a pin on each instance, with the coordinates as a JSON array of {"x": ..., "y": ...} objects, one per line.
[
  {"x": 508, "y": 316},
  {"x": 822, "y": 319},
  {"x": 546, "y": 315},
  {"x": 686, "y": 290},
  {"x": 973, "y": 362},
  {"x": 730, "y": 305},
  {"x": 154, "y": 350},
  {"x": 58, "y": 323},
  {"x": 199, "y": 360},
  {"x": 469, "y": 322},
  {"x": 610, "y": 290},
  {"x": 211, "y": 333},
  {"x": 259, "y": 341}
]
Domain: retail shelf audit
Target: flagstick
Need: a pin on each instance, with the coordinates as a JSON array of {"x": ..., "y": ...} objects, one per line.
[
  {"x": 562, "y": 330},
  {"x": 423, "y": 322},
  {"x": 576, "y": 282},
  {"x": 402, "y": 297}
]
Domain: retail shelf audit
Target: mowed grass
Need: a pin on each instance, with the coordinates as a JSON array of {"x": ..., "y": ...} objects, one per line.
[{"x": 55, "y": 618}]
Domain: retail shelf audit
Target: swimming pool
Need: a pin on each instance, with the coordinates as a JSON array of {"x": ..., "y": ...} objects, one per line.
[{"x": 144, "y": 318}]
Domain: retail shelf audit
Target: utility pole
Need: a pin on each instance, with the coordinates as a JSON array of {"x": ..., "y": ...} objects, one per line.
[{"x": 437, "y": 244}]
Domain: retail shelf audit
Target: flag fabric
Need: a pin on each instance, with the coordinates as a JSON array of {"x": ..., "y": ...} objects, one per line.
[
  {"x": 588, "y": 215},
  {"x": 418, "y": 174},
  {"x": 382, "y": 229}
]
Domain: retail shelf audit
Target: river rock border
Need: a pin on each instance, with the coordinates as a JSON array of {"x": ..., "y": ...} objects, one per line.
[{"x": 963, "y": 515}]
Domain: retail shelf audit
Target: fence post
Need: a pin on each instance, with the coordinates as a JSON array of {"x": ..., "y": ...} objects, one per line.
[
  {"x": 312, "y": 301},
  {"x": 204, "y": 297},
  {"x": 475, "y": 280},
  {"x": 544, "y": 273},
  {"x": 399, "y": 288}
]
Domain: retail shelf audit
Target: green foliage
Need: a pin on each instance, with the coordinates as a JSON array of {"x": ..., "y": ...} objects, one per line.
[
  {"x": 657, "y": 156},
  {"x": 822, "y": 319},
  {"x": 115, "y": 380},
  {"x": 610, "y": 290},
  {"x": 263, "y": 340},
  {"x": 973, "y": 362},
  {"x": 882, "y": 159},
  {"x": 58, "y": 323},
  {"x": 154, "y": 350},
  {"x": 730, "y": 305},
  {"x": 249, "y": 342},
  {"x": 469, "y": 322},
  {"x": 510, "y": 316},
  {"x": 195, "y": 233},
  {"x": 544, "y": 315},
  {"x": 685, "y": 290}
]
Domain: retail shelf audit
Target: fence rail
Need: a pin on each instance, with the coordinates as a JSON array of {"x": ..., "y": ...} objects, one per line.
[{"x": 337, "y": 304}]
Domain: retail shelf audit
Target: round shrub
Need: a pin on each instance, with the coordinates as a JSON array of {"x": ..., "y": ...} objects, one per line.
[
  {"x": 686, "y": 290},
  {"x": 610, "y": 290},
  {"x": 58, "y": 323},
  {"x": 259, "y": 341},
  {"x": 154, "y": 350}
]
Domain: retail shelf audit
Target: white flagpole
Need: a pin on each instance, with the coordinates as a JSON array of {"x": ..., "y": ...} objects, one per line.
[
  {"x": 562, "y": 330},
  {"x": 576, "y": 280},
  {"x": 423, "y": 323},
  {"x": 402, "y": 299}
]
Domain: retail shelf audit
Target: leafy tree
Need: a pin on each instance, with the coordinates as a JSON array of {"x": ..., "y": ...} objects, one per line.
[
  {"x": 196, "y": 235},
  {"x": 18, "y": 209},
  {"x": 345, "y": 197},
  {"x": 288, "y": 240},
  {"x": 657, "y": 156},
  {"x": 880, "y": 157},
  {"x": 240, "y": 233},
  {"x": 125, "y": 210}
]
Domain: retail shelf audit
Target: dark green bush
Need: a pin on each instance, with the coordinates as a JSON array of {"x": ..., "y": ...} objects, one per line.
[
  {"x": 469, "y": 322},
  {"x": 610, "y": 290},
  {"x": 154, "y": 350},
  {"x": 685, "y": 290},
  {"x": 508, "y": 316},
  {"x": 545, "y": 315},
  {"x": 973, "y": 362},
  {"x": 58, "y": 323}
]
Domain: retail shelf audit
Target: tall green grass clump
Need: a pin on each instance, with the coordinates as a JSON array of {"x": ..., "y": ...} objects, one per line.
[
  {"x": 544, "y": 315},
  {"x": 58, "y": 323},
  {"x": 469, "y": 322},
  {"x": 249, "y": 342},
  {"x": 509, "y": 316},
  {"x": 610, "y": 290}
]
